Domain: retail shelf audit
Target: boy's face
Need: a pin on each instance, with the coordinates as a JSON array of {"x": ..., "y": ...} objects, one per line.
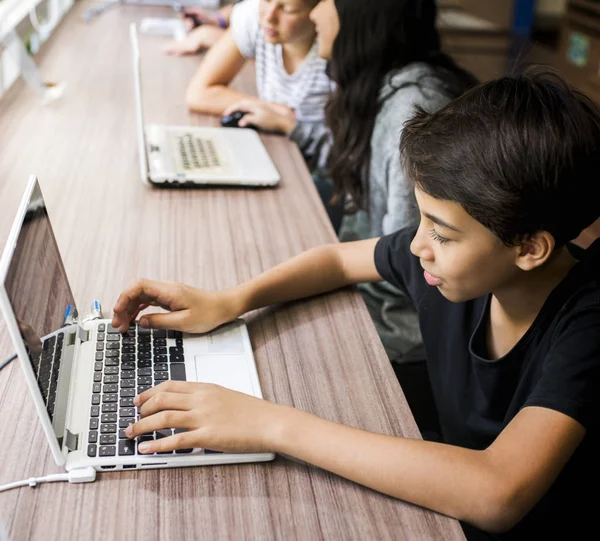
[
  {"x": 460, "y": 256},
  {"x": 286, "y": 21}
]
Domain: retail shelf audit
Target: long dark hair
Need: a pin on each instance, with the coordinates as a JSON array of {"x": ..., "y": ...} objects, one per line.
[{"x": 376, "y": 37}]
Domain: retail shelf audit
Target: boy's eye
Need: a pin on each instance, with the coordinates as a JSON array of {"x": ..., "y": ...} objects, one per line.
[{"x": 437, "y": 237}]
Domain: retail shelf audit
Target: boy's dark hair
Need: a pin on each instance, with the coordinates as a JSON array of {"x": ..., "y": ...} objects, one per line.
[{"x": 520, "y": 154}]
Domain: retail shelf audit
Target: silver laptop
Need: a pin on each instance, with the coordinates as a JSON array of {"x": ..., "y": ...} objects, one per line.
[
  {"x": 192, "y": 155},
  {"x": 83, "y": 375}
]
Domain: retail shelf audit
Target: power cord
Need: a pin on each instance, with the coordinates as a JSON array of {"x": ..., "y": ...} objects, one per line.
[
  {"x": 4, "y": 363},
  {"x": 79, "y": 475}
]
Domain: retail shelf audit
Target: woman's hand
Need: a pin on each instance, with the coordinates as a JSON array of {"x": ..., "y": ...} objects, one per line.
[
  {"x": 198, "y": 39},
  {"x": 272, "y": 117},
  {"x": 215, "y": 418},
  {"x": 190, "y": 309}
]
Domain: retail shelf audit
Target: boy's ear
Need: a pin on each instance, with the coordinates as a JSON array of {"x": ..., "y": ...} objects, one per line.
[{"x": 535, "y": 250}]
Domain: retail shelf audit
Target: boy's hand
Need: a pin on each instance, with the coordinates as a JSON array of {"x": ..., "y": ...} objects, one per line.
[
  {"x": 190, "y": 309},
  {"x": 272, "y": 117},
  {"x": 215, "y": 418}
]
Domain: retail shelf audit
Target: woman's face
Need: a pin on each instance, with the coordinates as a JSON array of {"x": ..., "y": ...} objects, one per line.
[
  {"x": 286, "y": 21},
  {"x": 325, "y": 17}
]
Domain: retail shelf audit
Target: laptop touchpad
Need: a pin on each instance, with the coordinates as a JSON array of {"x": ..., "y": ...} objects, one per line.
[{"x": 230, "y": 371}]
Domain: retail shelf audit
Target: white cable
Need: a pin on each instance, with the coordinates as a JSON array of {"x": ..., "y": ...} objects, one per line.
[{"x": 80, "y": 475}]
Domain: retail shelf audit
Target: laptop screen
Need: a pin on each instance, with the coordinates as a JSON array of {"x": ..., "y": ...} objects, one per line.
[{"x": 39, "y": 294}]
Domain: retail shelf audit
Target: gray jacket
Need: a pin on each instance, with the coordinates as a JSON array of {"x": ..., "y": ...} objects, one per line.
[{"x": 392, "y": 205}]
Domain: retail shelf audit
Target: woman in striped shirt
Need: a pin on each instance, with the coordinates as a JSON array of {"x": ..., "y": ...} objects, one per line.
[{"x": 291, "y": 78}]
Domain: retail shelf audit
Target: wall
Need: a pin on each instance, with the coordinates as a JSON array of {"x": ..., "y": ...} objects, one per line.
[{"x": 9, "y": 56}]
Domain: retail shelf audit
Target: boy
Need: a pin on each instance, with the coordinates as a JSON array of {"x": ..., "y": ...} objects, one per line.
[{"x": 504, "y": 177}]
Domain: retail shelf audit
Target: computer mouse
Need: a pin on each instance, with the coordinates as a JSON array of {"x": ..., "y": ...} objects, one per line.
[{"x": 232, "y": 120}]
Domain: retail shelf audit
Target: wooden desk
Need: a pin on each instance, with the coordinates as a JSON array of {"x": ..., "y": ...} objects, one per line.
[{"x": 321, "y": 355}]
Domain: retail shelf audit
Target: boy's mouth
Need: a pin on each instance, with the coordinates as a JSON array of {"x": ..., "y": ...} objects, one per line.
[{"x": 431, "y": 279}]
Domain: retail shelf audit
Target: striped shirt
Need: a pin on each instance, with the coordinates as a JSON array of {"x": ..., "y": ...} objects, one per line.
[{"x": 305, "y": 91}]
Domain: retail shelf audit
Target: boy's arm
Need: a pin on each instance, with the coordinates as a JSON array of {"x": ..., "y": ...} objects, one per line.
[
  {"x": 492, "y": 489},
  {"x": 208, "y": 91},
  {"x": 315, "y": 271}
]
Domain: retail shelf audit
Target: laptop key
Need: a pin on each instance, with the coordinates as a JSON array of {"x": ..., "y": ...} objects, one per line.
[
  {"x": 176, "y": 358},
  {"x": 178, "y": 372},
  {"x": 127, "y": 393},
  {"x": 126, "y": 402},
  {"x": 108, "y": 429},
  {"x": 127, "y": 412},
  {"x": 122, "y": 435},
  {"x": 93, "y": 436},
  {"x": 165, "y": 433},
  {"x": 95, "y": 399},
  {"x": 94, "y": 423},
  {"x": 108, "y": 439},
  {"x": 108, "y": 450},
  {"x": 126, "y": 421},
  {"x": 126, "y": 447},
  {"x": 97, "y": 377},
  {"x": 109, "y": 408},
  {"x": 161, "y": 376},
  {"x": 108, "y": 418},
  {"x": 181, "y": 451},
  {"x": 109, "y": 398},
  {"x": 128, "y": 384},
  {"x": 91, "y": 450},
  {"x": 95, "y": 411}
]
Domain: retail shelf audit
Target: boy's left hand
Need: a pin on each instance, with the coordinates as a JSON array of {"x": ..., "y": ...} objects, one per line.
[
  {"x": 215, "y": 418},
  {"x": 272, "y": 117}
]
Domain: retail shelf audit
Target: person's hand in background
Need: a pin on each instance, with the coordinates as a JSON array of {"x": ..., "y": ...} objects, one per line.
[{"x": 197, "y": 40}]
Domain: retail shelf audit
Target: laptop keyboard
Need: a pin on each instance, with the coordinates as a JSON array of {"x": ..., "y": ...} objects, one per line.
[
  {"x": 126, "y": 365},
  {"x": 46, "y": 366},
  {"x": 196, "y": 153}
]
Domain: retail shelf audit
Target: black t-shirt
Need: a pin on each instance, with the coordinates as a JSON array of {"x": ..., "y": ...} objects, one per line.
[{"x": 555, "y": 365}]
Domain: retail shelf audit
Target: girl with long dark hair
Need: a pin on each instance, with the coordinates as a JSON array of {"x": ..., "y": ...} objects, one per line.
[{"x": 384, "y": 59}]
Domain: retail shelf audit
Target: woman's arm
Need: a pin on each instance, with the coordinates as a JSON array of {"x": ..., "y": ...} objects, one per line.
[{"x": 208, "y": 91}]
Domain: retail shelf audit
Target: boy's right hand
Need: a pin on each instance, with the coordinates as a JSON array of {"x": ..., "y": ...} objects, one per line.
[{"x": 190, "y": 309}]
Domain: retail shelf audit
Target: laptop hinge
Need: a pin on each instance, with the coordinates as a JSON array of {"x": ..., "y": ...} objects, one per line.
[
  {"x": 83, "y": 335},
  {"x": 72, "y": 441}
]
